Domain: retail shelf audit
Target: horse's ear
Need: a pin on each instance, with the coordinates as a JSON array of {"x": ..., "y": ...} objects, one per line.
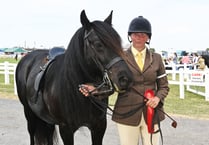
[
  {"x": 85, "y": 21},
  {"x": 109, "y": 18}
]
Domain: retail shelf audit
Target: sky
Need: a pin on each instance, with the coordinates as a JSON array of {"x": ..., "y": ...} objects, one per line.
[{"x": 176, "y": 24}]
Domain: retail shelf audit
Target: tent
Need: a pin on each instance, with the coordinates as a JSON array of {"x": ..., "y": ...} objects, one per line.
[
  {"x": 1, "y": 51},
  {"x": 15, "y": 50}
]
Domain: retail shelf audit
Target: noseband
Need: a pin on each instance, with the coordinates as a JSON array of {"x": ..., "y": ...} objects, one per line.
[{"x": 106, "y": 80}]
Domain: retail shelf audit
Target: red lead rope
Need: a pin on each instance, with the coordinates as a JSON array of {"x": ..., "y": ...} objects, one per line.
[{"x": 150, "y": 111}]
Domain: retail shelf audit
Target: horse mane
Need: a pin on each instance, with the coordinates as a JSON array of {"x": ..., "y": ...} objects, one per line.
[
  {"x": 108, "y": 34},
  {"x": 77, "y": 70}
]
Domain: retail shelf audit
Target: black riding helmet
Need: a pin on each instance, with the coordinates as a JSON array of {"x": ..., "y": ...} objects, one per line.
[{"x": 140, "y": 24}]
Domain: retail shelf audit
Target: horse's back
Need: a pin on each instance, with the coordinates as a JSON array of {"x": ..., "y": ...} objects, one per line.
[{"x": 28, "y": 67}]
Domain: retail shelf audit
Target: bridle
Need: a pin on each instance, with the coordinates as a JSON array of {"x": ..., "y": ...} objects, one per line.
[
  {"x": 106, "y": 79},
  {"x": 105, "y": 69},
  {"x": 106, "y": 82}
]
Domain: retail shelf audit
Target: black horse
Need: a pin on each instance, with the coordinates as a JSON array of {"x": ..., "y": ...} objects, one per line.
[{"x": 48, "y": 89}]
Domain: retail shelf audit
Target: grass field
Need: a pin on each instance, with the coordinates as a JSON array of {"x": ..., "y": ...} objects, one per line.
[
  {"x": 11, "y": 60},
  {"x": 7, "y": 91},
  {"x": 192, "y": 106}
]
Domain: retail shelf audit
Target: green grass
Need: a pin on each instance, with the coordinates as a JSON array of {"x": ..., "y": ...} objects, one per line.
[
  {"x": 7, "y": 90},
  {"x": 192, "y": 106},
  {"x": 6, "y": 87},
  {"x": 10, "y": 60}
]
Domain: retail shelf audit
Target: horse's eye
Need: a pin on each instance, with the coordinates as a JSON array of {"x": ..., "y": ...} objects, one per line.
[{"x": 99, "y": 46}]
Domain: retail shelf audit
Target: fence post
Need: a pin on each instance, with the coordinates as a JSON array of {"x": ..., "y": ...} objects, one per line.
[
  {"x": 185, "y": 66},
  {"x": 187, "y": 78},
  {"x": 174, "y": 69},
  {"x": 15, "y": 87},
  {"x": 181, "y": 83},
  {"x": 6, "y": 72},
  {"x": 207, "y": 85}
]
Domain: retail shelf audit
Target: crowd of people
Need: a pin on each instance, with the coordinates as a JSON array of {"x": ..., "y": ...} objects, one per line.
[{"x": 193, "y": 61}]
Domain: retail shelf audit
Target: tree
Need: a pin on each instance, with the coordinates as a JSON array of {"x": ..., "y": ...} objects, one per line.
[{"x": 152, "y": 49}]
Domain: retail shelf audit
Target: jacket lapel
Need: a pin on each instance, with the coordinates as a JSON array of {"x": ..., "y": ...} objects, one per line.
[
  {"x": 131, "y": 61},
  {"x": 148, "y": 60}
]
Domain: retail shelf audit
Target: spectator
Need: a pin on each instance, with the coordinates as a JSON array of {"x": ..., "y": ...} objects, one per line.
[
  {"x": 201, "y": 63},
  {"x": 175, "y": 58},
  {"x": 185, "y": 59}
]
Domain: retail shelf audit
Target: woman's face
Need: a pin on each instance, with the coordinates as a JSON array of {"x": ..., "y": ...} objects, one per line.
[{"x": 139, "y": 39}]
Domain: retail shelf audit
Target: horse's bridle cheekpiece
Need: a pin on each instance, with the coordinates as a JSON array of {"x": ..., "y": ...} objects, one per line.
[{"x": 106, "y": 79}]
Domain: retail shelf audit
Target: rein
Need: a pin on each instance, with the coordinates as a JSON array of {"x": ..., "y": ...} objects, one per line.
[
  {"x": 106, "y": 82},
  {"x": 102, "y": 106},
  {"x": 92, "y": 95}
]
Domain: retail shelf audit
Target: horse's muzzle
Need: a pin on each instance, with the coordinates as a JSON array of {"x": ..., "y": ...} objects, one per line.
[{"x": 124, "y": 82}]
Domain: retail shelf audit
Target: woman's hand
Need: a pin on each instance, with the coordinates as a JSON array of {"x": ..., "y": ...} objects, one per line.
[
  {"x": 153, "y": 102},
  {"x": 85, "y": 89}
]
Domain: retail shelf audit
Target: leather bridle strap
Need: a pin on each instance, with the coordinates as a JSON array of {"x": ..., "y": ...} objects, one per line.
[
  {"x": 106, "y": 79},
  {"x": 112, "y": 62}
]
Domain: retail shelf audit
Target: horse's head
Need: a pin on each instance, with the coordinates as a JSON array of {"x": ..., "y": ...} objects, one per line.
[{"x": 103, "y": 51}]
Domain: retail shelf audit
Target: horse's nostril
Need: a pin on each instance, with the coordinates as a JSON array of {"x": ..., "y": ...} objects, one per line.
[{"x": 123, "y": 82}]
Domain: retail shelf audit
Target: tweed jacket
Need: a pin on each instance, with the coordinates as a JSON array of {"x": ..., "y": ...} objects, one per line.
[{"x": 131, "y": 103}]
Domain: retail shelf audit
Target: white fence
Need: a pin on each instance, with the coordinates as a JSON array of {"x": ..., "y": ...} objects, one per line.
[
  {"x": 189, "y": 78},
  {"x": 8, "y": 69},
  {"x": 186, "y": 78}
]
